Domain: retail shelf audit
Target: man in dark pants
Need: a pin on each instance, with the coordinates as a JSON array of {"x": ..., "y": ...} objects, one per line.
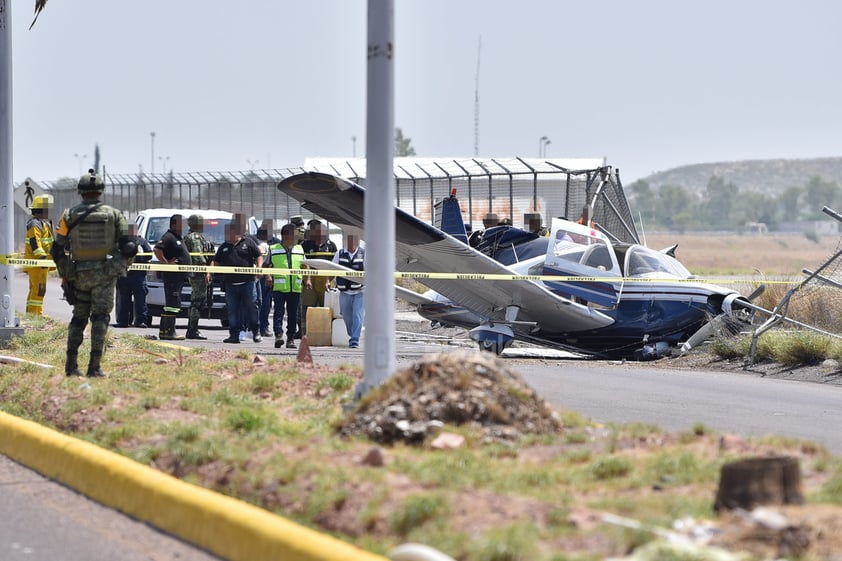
[
  {"x": 286, "y": 289},
  {"x": 239, "y": 251},
  {"x": 265, "y": 239},
  {"x": 131, "y": 289},
  {"x": 91, "y": 250},
  {"x": 171, "y": 250}
]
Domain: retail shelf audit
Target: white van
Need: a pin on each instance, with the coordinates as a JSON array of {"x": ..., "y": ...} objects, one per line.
[{"x": 154, "y": 223}]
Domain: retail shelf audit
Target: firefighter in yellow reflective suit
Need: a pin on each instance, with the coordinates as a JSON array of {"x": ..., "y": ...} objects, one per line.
[{"x": 39, "y": 240}]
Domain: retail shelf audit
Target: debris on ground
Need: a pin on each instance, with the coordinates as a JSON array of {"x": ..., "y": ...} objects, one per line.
[{"x": 454, "y": 388}]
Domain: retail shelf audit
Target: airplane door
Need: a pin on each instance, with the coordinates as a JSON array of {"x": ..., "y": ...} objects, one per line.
[{"x": 578, "y": 251}]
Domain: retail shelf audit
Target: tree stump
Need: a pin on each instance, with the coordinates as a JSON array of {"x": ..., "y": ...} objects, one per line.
[{"x": 759, "y": 481}]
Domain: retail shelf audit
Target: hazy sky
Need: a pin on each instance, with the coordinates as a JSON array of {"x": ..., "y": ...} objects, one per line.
[{"x": 648, "y": 84}]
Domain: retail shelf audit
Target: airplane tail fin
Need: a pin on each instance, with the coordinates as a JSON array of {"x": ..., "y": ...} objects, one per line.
[{"x": 447, "y": 217}]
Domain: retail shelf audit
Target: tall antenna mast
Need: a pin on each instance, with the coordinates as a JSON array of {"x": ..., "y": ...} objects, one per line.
[{"x": 476, "y": 102}]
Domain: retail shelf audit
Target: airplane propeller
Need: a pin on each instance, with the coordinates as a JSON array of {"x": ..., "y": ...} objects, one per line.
[{"x": 717, "y": 324}]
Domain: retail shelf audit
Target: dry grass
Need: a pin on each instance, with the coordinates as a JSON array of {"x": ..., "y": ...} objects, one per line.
[
  {"x": 265, "y": 431},
  {"x": 771, "y": 255}
]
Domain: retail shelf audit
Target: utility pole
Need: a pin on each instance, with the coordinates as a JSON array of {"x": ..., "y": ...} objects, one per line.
[
  {"x": 476, "y": 101},
  {"x": 379, "y": 207},
  {"x": 9, "y": 324},
  {"x": 152, "y": 163}
]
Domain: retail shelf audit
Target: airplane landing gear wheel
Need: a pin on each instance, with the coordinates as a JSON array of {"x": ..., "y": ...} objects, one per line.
[{"x": 490, "y": 346}]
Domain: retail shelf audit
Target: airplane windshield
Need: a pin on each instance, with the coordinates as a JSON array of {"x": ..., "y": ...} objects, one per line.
[
  {"x": 585, "y": 251},
  {"x": 644, "y": 261}
]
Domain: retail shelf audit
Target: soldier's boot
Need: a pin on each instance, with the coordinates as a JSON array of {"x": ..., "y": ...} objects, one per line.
[
  {"x": 193, "y": 325},
  {"x": 71, "y": 365},
  {"x": 99, "y": 331},
  {"x": 94, "y": 366},
  {"x": 75, "y": 335}
]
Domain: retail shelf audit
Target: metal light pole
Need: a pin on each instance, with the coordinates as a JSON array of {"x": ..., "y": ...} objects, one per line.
[
  {"x": 379, "y": 207},
  {"x": 541, "y": 145},
  {"x": 8, "y": 320},
  {"x": 354, "y": 145},
  {"x": 163, "y": 163},
  {"x": 547, "y": 142},
  {"x": 152, "y": 166},
  {"x": 252, "y": 163},
  {"x": 79, "y": 160}
]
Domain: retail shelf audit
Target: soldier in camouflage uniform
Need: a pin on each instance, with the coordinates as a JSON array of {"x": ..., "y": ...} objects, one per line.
[
  {"x": 91, "y": 250},
  {"x": 198, "y": 246}
]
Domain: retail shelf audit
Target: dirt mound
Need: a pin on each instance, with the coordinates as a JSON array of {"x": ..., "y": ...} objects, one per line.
[{"x": 455, "y": 388}]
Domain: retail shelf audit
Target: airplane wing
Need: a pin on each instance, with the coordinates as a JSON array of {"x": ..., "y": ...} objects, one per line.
[
  {"x": 403, "y": 293},
  {"x": 420, "y": 247}
]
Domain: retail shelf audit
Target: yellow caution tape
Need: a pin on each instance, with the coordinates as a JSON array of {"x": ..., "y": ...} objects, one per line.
[{"x": 11, "y": 260}]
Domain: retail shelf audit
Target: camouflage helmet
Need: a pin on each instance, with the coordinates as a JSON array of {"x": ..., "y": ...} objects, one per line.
[
  {"x": 90, "y": 182},
  {"x": 194, "y": 220}
]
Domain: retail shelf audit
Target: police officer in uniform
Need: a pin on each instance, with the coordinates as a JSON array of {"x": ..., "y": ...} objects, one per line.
[
  {"x": 317, "y": 246},
  {"x": 170, "y": 249},
  {"x": 39, "y": 241},
  {"x": 198, "y": 246},
  {"x": 132, "y": 289},
  {"x": 91, "y": 250}
]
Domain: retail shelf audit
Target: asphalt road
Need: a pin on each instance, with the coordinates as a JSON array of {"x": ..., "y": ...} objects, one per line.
[{"x": 45, "y": 521}]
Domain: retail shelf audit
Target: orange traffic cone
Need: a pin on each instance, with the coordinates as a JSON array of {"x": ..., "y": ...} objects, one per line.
[{"x": 304, "y": 351}]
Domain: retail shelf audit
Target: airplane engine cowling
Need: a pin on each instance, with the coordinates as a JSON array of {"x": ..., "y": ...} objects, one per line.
[{"x": 494, "y": 338}]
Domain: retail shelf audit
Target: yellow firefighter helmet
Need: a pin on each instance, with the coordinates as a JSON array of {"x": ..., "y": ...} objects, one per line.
[{"x": 42, "y": 202}]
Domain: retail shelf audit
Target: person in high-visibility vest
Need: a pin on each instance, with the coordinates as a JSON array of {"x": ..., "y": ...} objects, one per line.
[
  {"x": 286, "y": 289},
  {"x": 39, "y": 241}
]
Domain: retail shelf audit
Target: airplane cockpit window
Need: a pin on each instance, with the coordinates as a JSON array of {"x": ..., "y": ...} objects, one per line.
[
  {"x": 645, "y": 261},
  {"x": 566, "y": 247},
  {"x": 597, "y": 256}
]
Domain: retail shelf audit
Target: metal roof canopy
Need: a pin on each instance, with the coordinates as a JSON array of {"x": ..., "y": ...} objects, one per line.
[{"x": 426, "y": 168}]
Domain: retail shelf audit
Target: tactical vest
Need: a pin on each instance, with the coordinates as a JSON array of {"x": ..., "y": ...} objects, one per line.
[
  {"x": 197, "y": 244},
  {"x": 356, "y": 264},
  {"x": 278, "y": 256},
  {"x": 95, "y": 237}
]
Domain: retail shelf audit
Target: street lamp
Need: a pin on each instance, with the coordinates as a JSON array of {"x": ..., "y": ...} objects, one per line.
[
  {"x": 541, "y": 145},
  {"x": 163, "y": 163},
  {"x": 79, "y": 160},
  {"x": 152, "y": 167},
  {"x": 354, "y": 145},
  {"x": 547, "y": 142},
  {"x": 252, "y": 163}
]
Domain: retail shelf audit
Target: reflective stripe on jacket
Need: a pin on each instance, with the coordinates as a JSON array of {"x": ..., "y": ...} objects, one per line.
[
  {"x": 280, "y": 259},
  {"x": 357, "y": 264}
]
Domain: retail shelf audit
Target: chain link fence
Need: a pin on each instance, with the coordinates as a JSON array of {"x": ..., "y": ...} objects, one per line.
[{"x": 510, "y": 188}]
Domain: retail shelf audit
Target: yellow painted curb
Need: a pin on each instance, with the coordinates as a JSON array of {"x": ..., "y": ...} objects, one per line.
[{"x": 226, "y": 527}]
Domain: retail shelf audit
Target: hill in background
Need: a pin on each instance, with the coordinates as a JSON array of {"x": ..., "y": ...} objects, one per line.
[{"x": 770, "y": 177}]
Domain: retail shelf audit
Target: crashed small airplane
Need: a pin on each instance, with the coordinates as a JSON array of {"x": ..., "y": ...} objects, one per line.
[{"x": 595, "y": 296}]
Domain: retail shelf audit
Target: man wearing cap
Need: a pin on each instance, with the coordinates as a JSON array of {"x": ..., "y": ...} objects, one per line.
[
  {"x": 39, "y": 241},
  {"x": 317, "y": 246},
  {"x": 300, "y": 233},
  {"x": 198, "y": 246}
]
